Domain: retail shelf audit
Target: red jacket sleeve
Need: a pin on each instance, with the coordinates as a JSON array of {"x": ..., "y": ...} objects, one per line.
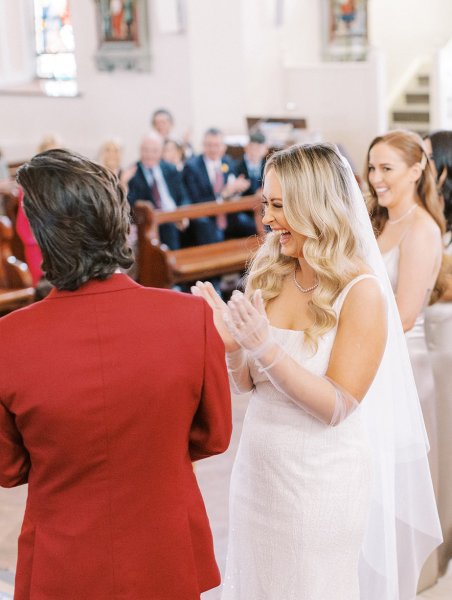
[
  {"x": 14, "y": 458},
  {"x": 212, "y": 424}
]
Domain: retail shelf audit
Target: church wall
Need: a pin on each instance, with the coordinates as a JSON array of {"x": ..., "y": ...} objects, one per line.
[
  {"x": 217, "y": 70},
  {"x": 115, "y": 104},
  {"x": 408, "y": 32},
  {"x": 235, "y": 59}
]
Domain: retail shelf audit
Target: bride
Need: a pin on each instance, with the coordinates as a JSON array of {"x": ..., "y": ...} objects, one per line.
[{"x": 331, "y": 496}]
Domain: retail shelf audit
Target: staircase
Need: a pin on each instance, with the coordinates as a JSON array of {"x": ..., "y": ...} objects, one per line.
[{"x": 412, "y": 109}]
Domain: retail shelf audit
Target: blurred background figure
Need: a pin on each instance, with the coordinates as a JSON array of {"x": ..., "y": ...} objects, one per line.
[
  {"x": 211, "y": 176},
  {"x": 4, "y": 172},
  {"x": 162, "y": 122},
  {"x": 33, "y": 256},
  {"x": 110, "y": 156},
  {"x": 409, "y": 224},
  {"x": 8, "y": 186},
  {"x": 438, "y": 330},
  {"x": 173, "y": 152},
  {"x": 160, "y": 183},
  {"x": 50, "y": 141},
  {"x": 251, "y": 166}
]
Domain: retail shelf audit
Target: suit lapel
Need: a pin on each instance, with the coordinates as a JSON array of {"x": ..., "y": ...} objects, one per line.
[{"x": 204, "y": 173}]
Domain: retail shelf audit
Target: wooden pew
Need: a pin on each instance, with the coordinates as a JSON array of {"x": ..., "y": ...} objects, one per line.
[
  {"x": 157, "y": 266},
  {"x": 16, "y": 289}
]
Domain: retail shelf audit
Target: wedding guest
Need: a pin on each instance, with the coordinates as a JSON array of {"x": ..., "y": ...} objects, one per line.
[
  {"x": 438, "y": 329},
  {"x": 208, "y": 177},
  {"x": 4, "y": 171},
  {"x": 7, "y": 185},
  {"x": 116, "y": 391},
  {"x": 110, "y": 156},
  {"x": 333, "y": 437},
  {"x": 251, "y": 166},
  {"x": 50, "y": 141},
  {"x": 160, "y": 183},
  {"x": 162, "y": 122},
  {"x": 409, "y": 223},
  {"x": 33, "y": 256},
  {"x": 173, "y": 152}
]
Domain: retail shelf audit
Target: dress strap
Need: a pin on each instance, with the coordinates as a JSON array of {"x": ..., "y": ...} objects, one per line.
[{"x": 343, "y": 294}]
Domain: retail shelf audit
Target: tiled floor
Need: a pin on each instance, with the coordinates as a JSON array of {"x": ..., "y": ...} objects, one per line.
[{"x": 213, "y": 475}]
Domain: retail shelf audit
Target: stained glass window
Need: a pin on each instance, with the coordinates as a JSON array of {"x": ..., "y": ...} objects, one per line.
[{"x": 55, "y": 58}]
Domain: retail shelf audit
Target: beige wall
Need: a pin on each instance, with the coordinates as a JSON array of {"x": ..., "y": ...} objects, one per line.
[
  {"x": 408, "y": 32},
  {"x": 231, "y": 62},
  {"x": 110, "y": 104}
]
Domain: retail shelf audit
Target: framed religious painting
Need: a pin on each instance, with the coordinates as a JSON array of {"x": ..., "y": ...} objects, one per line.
[
  {"x": 345, "y": 30},
  {"x": 123, "y": 35}
]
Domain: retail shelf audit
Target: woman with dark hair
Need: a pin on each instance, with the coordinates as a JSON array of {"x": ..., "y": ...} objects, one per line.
[
  {"x": 108, "y": 392},
  {"x": 409, "y": 224},
  {"x": 438, "y": 330},
  {"x": 173, "y": 152},
  {"x": 439, "y": 149}
]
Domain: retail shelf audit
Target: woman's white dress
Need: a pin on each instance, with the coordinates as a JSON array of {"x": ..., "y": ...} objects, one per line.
[
  {"x": 421, "y": 364},
  {"x": 299, "y": 493},
  {"x": 438, "y": 330}
]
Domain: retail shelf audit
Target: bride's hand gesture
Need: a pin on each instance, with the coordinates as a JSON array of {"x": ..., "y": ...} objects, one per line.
[{"x": 219, "y": 308}]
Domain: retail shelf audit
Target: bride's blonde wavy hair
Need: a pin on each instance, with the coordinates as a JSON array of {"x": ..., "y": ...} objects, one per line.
[{"x": 317, "y": 203}]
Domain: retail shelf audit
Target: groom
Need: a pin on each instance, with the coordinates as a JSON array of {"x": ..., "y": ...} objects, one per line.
[{"x": 108, "y": 392}]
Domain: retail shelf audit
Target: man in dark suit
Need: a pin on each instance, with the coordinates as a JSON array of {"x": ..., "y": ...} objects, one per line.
[
  {"x": 210, "y": 176},
  {"x": 108, "y": 392},
  {"x": 251, "y": 166},
  {"x": 160, "y": 183}
]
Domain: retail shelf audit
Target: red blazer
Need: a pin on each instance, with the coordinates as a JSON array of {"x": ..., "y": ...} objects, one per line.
[{"x": 106, "y": 396}]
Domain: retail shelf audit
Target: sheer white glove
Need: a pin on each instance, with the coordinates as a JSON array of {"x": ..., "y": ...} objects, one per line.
[
  {"x": 248, "y": 324},
  {"x": 239, "y": 375},
  {"x": 320, "y": 396},
  {"x": 207, "y": 291}
]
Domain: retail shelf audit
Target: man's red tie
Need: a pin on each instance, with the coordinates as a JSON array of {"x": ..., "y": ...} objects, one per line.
[
  {"x": 218, "y": 185},
  {"x": 156, "y": 198}
]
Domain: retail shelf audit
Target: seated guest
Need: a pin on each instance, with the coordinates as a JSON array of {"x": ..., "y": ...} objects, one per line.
[
  {"x": 210, "y": 176},
  {"x": 50, "y": 141},
  {"x": 33, "y": 256},
  {"x": 173, "y": 152},
  {"x": 4, "y": 171},
  {"x": 7, "y": 185},
  {"x": 110, "y": 156},
  {"x": 163, "y": 123},
  {"x": 116, "y": 391},
  {"x": 159, "y": 182},
  {"x": 251, "y": 166}
]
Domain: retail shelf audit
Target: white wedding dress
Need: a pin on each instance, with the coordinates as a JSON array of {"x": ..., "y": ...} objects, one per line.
[{"x": 300, "y": 492}]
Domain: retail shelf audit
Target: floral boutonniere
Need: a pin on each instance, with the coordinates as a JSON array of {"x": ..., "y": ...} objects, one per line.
[{"x": 224, "y": 168}]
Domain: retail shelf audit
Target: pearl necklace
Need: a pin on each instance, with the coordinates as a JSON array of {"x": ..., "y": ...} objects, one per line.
[
  {"x": 301, "y": 288},
  {"x": 405, "y": 214}
]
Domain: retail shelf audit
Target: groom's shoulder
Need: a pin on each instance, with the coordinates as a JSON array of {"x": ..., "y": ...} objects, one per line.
[{"x": 172, "y": 299}]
